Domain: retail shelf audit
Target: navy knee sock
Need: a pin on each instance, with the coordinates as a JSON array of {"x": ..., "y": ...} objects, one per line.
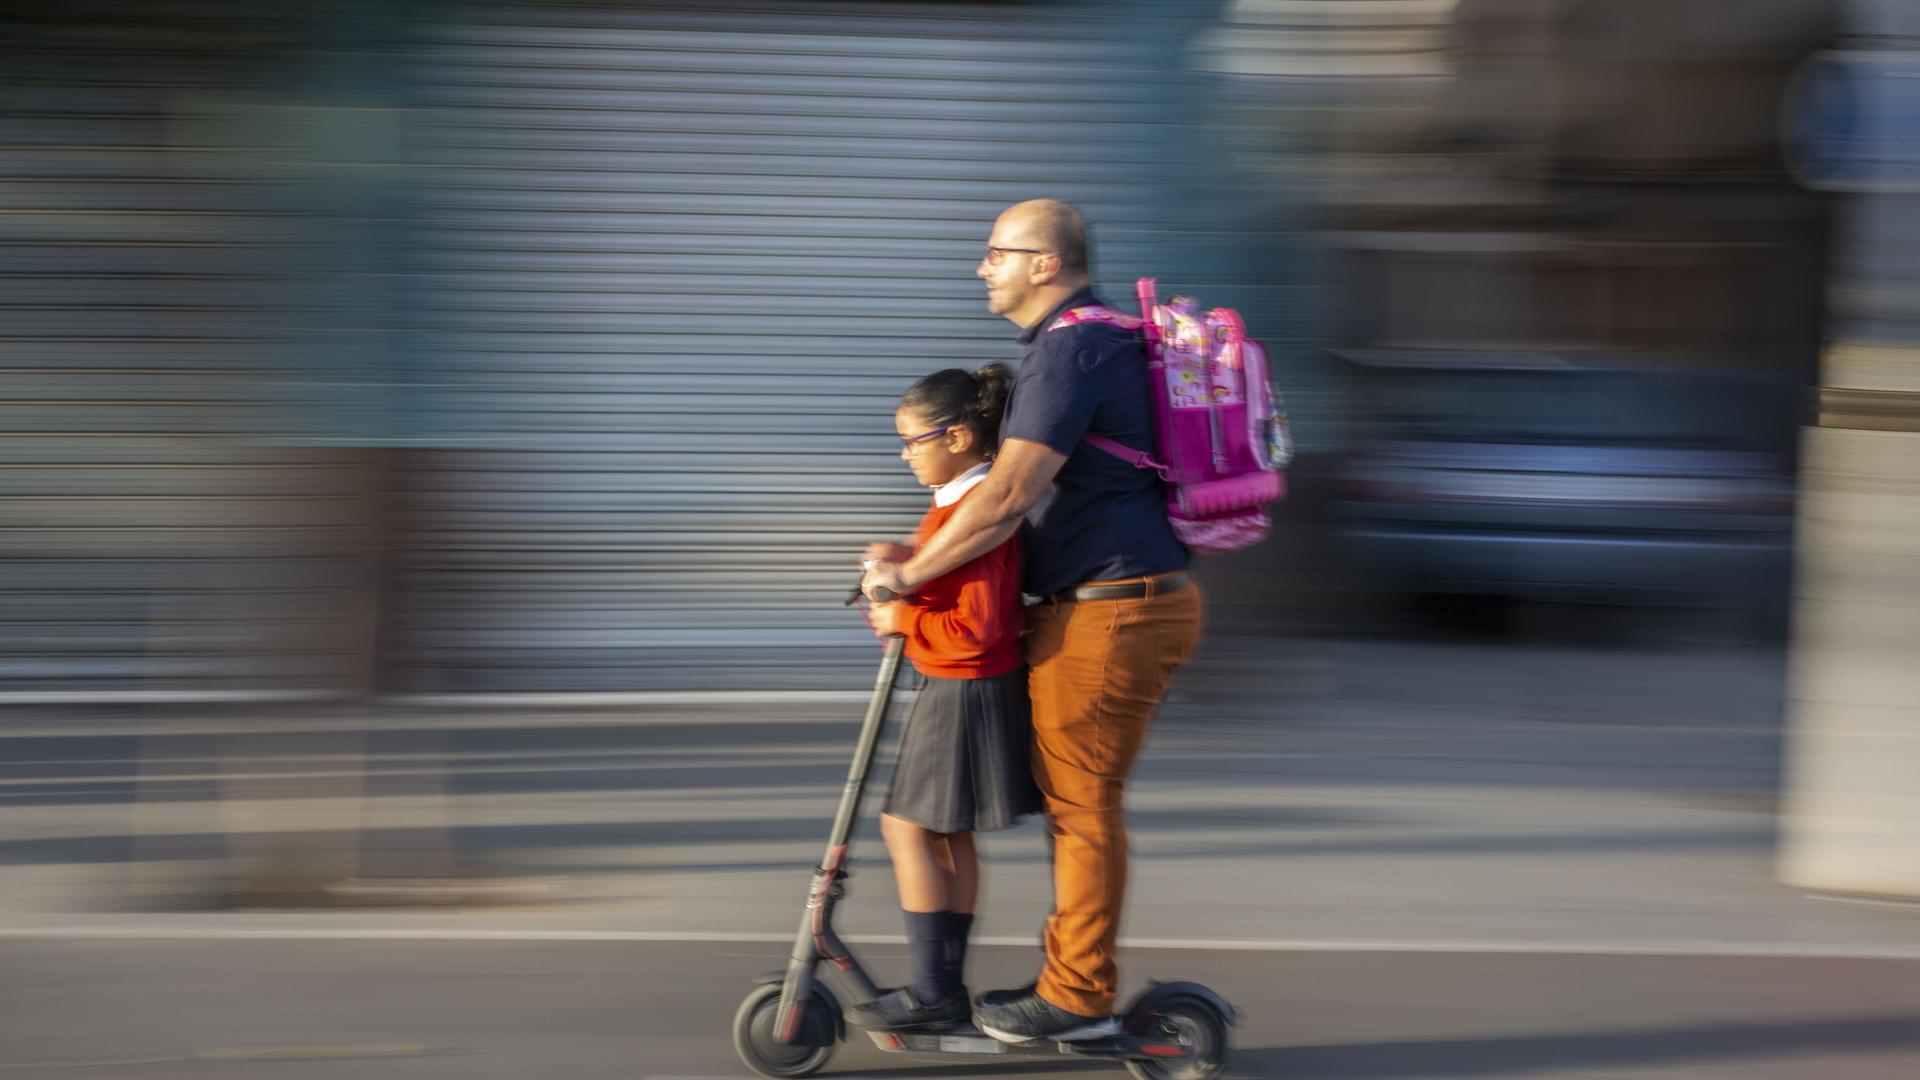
[
  {"x": 959, "y": 925},
  {"x": 927, "y": 945}
]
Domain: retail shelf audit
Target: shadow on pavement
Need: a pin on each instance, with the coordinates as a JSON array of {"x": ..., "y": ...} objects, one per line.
[
  {"x": 1531, "y": 1053},
  {"x": 917, "y": 1069}
]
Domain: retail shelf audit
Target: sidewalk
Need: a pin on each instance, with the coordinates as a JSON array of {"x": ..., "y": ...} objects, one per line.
[{"x": 1300, "y": 794}]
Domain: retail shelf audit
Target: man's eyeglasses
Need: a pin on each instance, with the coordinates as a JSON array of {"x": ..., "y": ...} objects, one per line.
[
  {"x": 995, "y": 253},
  {"x": 908, "y": 442}
]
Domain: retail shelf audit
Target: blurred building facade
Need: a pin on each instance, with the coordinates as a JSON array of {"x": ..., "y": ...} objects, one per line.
[
  {"x": 160, "y": 539},
  {"x": 1597, "y": 209},
  {"x": 528, "y": 346},
  {"x": 483, "y": 347}
]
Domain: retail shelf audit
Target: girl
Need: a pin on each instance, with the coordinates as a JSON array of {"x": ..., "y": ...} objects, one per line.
[{"x": 964, "y": 763}]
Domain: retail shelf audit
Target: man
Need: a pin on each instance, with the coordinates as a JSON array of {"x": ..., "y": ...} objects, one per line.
[{"x": 1119, "y": 612}]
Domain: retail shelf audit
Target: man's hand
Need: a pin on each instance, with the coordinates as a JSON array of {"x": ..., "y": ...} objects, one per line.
[
  {"x": 883, "y": 574},
  {"x": 884, "y": 618},
  {"x": 886, "y": 552}
]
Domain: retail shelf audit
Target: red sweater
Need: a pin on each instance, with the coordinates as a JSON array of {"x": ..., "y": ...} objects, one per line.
[{"x": 966, "y": 624}]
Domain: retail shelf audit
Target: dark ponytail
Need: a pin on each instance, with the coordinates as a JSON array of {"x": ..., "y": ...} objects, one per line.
[{"x": 976, "y": 400}]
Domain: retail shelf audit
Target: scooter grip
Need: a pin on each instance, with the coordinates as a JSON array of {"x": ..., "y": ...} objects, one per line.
[{"x": 882, "y": 594}]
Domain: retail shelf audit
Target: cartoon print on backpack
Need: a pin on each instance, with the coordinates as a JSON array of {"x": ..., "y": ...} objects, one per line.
[
  {"x": 1186, "y": 332},
  {"x": 1186, "y": 394}
]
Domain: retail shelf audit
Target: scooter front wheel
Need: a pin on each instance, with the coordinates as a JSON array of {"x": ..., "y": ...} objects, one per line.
[
  {"x": 754, "y": 1040},
  {"x": 1195, "y": 1025}
]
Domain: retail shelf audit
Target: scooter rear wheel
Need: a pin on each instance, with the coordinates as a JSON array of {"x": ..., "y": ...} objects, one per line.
[
  {"x": 753, "y": 1036},
  {"x": 1196, "y": 1025}
]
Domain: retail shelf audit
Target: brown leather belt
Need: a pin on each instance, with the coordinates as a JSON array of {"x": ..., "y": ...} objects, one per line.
[{"x": 1129, "y": 590}]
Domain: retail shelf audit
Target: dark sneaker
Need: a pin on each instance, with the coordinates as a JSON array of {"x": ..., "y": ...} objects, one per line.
[
  {"x": 899, "y": 1010},
  {"x": 993, "y": 999},
  {"x": 1031, "y": 1017}
]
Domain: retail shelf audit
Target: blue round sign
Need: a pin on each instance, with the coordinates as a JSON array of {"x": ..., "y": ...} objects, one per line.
[{"x": 1852, "y": 121}]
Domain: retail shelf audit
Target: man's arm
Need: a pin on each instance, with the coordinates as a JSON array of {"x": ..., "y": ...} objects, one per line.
[{"x": 1022, "y": 472}]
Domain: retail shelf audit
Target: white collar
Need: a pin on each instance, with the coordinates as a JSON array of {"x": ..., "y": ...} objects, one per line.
[{"x": 949, "y": 493}]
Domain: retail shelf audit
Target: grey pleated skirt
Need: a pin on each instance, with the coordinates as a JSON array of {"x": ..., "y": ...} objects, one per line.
[{"x": 966, "y": 757}]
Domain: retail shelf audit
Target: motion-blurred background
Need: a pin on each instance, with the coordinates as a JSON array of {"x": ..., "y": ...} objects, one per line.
[{"x": 483, "y": 348}]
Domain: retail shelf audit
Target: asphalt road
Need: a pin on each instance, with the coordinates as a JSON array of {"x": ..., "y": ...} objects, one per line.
[
  {"x": 1398, "y": 860},
  {"x": 476, "y": 1010}
]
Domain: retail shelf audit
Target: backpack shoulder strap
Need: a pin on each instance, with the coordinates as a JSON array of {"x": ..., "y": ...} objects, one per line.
[
  {"x": 1094, "y": 313},
  {"x": 1139, "y": 459}
]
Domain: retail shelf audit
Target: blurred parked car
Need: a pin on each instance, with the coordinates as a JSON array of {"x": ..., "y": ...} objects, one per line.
[{"x": 1544, "y": 477}]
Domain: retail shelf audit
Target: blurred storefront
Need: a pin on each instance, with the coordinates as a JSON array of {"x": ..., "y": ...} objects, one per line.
[
  {"x": 1594, "y": 196},
  {"x": 489, "y": 347},
  {"x": 159, "y": 543}
]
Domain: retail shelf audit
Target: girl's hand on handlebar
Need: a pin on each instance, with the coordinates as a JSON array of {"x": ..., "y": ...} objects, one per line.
[{"x": 884, "y": 618}]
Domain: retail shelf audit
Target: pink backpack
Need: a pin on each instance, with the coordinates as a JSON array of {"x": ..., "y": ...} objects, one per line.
[{"x": 1219, "y": 428}]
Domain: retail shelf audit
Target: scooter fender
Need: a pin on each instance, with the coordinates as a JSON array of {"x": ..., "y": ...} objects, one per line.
[
  {"x": 776, "y": 978},
  {"x": 1157, "y": 992}
]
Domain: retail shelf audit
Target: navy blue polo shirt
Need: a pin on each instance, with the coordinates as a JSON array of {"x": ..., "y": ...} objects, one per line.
[{"x": 1103, "y": 519}]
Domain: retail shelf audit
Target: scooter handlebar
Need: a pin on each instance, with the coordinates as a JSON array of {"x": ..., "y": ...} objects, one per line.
[{"x": 882, "y": 594}]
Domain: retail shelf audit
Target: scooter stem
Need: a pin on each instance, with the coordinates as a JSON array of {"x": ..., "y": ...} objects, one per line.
[
  {"x": 863, "y": 751},
  {"x": 816, "y": 940}
]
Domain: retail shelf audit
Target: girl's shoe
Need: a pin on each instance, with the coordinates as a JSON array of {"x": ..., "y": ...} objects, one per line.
[{"x": 899, "y": 1010}]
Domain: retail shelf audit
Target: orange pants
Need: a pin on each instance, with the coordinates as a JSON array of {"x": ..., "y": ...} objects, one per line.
[{"x": 1098, "y": 670}]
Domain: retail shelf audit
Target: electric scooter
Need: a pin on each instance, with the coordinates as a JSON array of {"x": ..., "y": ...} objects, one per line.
[{"x": 790, "y": 1023}]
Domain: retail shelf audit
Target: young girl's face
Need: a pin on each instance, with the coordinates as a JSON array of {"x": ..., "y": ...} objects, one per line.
[{"x": 935, "y": 456}]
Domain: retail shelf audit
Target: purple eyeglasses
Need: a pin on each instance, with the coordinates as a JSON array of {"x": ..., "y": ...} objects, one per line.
[{"x": 909, "y": 442}]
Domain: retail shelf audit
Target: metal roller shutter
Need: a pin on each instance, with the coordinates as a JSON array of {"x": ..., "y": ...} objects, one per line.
[{"x": 678, "y": 263}]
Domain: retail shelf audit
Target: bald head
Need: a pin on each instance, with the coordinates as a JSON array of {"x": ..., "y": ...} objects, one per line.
[
  {"x": 1036, "y": 259},
  {"x": 1051, "y": 225}
]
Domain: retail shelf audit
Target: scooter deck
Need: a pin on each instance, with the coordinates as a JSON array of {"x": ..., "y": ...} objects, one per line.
[
  {"x": 967, "y": 1039},
  {"x": 956, "y": 1039}
]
